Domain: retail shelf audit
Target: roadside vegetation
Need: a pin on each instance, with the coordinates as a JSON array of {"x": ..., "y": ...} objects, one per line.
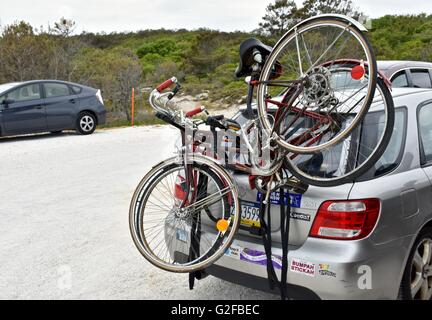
[{"x": 204, "y": 60}]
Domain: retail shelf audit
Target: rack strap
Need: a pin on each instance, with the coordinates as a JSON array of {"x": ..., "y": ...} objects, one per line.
[{"x": 265, "y": 219}]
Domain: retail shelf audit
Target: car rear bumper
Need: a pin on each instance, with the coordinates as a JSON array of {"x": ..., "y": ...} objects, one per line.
[
  {"x": 325, "y": 269},
  {"x": 258, "y": 283},
  {"x": 101, "y": 117}
]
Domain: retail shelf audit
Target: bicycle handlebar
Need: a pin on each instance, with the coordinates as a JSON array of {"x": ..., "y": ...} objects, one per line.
[
  {"x": 158, "y": 100},
  {"x": 194, "y": 112},
  {"x": 166, "y": 84}
]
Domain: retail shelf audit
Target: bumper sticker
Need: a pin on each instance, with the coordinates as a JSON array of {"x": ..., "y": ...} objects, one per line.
[
  {"x": 303, "y": 267},
  {"x": 324, "y": 270},
  {"x": 233, "y": 252},
  {"x": 275, "y": 199},
  {"x": 258, "y": 257},
  {"x": 300, "y": 216},
  {"x": 252, "y": 256}
]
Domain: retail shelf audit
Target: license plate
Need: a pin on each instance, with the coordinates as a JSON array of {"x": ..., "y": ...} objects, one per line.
[{"x": 250, "y": 214}]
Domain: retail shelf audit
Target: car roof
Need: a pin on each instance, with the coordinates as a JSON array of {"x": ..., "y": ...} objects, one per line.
[
  {"x": 391, "y": 66},
  {"x": 49, "y": 80},
  {"x": 411, "y": 97},
  {"x": 406, "y": 97},
  {"x": 398, "y": 92},
  {"x": 7, "y": 86}
]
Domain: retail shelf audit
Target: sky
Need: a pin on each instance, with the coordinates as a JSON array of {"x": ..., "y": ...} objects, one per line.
[{"x": 133, "y": 15}]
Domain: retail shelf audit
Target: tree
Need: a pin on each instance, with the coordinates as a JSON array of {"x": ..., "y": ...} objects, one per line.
[
  {"x": 280, "y": 16},
  {"x": 66, "y": 47},
  {"x": 114, "y": 71},
  {"x": 317, "y": 7},
  {"x": 163, "y": 71},
  {"x": 22, "y": 55},
  {"x": 208, "y": 52},
  {"x": 127, "y": 75},
  {"x": 64, "y": 27},
  {"x": 28, "y": 54},
  {"x": 162, "y": 47}
]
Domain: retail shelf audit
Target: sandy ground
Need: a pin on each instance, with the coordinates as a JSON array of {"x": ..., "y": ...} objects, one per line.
[{"x": 64, "y": 219}]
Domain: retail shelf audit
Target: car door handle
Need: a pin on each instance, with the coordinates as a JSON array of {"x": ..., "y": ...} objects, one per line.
[
  {"x": 39, "y": 107},
  {"x": 72, "y": 101}
]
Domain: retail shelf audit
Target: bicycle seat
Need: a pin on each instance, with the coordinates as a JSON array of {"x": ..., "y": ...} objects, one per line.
[{"x": 247, "y": 48}]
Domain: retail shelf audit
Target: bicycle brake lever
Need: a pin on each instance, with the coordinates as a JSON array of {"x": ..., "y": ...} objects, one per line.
[
  {"x": 175, "y": 91},
  {"x": 214, "y": 121},
  {"x": 218, "y": 117}
]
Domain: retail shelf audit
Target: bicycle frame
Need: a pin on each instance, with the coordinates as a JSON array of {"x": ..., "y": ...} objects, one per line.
[
  {"x": 286, "y": 105},
  {"x": 181, "y": 121}
]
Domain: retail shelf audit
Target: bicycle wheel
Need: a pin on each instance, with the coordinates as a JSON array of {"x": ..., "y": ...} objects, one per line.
[
  {"x": 354, "y": 156},
  {"x": 301, "y": 79},
  {"x": 180, "y": 227}
]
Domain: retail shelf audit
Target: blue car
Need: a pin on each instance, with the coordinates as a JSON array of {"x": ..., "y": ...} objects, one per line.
[{"x": 49, "y": 106}]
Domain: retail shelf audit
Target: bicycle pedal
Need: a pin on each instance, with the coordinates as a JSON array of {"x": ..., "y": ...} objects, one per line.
[{"x": 296, "y": 185}]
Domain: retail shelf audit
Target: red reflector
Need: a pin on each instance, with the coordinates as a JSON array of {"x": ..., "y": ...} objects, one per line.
[
  {"x": 180, "y": 188},
  {"x": 346, "y": 220},
  {"x": 357, "y": 72}
]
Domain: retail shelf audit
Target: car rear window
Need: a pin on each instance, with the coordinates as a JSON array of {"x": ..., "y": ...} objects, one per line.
[
  {"x": 363, "y": 137},
  {"x": 425, "y": 130},
  {"x": 343, "y": 80},
  {"x": 392, "y": 156},
  {"x": 363, "y": 140}
]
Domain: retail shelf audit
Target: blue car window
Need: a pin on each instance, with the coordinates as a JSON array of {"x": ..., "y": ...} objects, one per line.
[
  {"x": 25, "y": 93},
  {"x": 53, "y": 90}
]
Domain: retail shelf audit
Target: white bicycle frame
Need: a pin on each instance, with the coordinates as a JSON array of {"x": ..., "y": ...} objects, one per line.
[{"x": 159, "y": 102}]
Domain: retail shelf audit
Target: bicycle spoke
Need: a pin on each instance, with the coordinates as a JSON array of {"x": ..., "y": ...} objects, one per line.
[
  {"x": 168, "y": 233},
  {"x": 327, "y": 50}
]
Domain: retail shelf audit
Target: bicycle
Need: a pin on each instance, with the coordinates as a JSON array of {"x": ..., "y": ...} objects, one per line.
[{"x": 185, "y": 212}]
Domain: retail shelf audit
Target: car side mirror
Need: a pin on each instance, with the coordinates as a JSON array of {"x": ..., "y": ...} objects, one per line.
[{"x": 7, "y": 102}]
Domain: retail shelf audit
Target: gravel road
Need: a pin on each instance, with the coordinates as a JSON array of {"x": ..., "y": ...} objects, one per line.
[{"x": 64, "y": 219}]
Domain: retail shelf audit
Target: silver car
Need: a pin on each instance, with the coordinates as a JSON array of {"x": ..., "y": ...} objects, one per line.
[{"x": 371, "y": 239}]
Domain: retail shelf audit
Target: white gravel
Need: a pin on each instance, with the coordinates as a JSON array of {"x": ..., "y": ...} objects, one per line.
[{"x": 64, "y": 219}]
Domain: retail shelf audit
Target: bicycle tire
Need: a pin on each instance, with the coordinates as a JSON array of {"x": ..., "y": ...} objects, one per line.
[
  {"x": 268, "y": 70},
  {"x": 137, "y": 211},
  {"x": 366, "y": 165}
]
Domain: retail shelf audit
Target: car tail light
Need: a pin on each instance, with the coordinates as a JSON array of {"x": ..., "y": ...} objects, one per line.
[
  {"x": 99, "y": 96},
  {"x": 346, "y": 220}
]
